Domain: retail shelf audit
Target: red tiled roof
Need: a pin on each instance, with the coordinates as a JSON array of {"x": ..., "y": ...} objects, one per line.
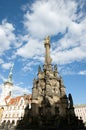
[
  {"x": 16, "y": 100},
  {"x": 7, "y": 97}
]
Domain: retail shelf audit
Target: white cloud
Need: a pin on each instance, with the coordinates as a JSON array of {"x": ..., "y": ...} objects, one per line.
[
  {"x": 66, "y": 70},
  {"x": 28, "y": 66},
  {"x": 49, "y": 17},
  {"x": 7, "y": 36},
  {"x": 72, "y": 47},
  {"x": 7, "y": 65},
  {"x": 68, "y": 56},
  {"x": 31, "y": 49},
  {"x": 43, "y": 18},
  {"x": 82, "y": 72}
]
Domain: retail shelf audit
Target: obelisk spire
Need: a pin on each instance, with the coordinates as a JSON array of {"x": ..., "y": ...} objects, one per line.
[{"x": 47, "y": 51}]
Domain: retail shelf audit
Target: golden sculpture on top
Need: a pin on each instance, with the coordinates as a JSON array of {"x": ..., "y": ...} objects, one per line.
[{"x": 47, "y": 40}]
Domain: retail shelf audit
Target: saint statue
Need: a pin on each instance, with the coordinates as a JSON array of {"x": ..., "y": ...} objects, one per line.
[{"x": 47, "y": 40}]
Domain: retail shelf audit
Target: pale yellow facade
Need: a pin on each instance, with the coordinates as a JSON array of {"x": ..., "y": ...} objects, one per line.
[{"x": 80, "y": 111}]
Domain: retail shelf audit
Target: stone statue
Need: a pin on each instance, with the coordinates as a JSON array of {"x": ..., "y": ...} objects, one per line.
[
  {"x": 34, "y": 82},
  {"x": 39, "y": 91},
  {"x": 55, "y": 68},
  {"x": 47, "y": 40},
  {"x": 62, "y": 83},
  {"x": 70, "y": 101},
  {"x": 55, "y": 71}
]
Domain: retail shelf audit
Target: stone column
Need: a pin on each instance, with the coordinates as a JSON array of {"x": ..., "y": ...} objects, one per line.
[{"x": 47, "y": 51}]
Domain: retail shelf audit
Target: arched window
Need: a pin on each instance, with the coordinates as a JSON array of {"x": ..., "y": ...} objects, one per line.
[{"x": 13, "y": 122}]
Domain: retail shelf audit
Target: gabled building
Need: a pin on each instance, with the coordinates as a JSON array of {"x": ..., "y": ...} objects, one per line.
[
  {"x": 12, "y": 109},
  {"x": 15, "y": 108}
]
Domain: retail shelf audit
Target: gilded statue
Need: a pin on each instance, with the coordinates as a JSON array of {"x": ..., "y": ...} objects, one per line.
[{"x": 47, "y": 40}]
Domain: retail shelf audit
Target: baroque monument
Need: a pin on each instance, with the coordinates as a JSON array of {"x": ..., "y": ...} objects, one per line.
[
  {"x": 51, "y": 108},
  {"x": 48, "y": 92},
  {"x": 49, "y": 99}
]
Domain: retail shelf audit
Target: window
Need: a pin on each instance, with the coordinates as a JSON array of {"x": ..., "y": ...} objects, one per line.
[
  {"x": 6, "y": 115},
  {"x": 14, "y": 107}
]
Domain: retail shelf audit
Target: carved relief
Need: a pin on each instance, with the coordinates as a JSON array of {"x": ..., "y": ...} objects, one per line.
[
  {"x": 51, "y": 101},
  {"x": 42, "y": 83},
  {"x": 41, "y": 75},
  {"x": 34, "y": 93},
  {"x": 48, "y": 87},
  {"x": 49, "y": 74},
  {"x": 48, "y": 90}
]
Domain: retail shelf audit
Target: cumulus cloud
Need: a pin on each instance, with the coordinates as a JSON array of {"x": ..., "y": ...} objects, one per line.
[
  {"x": 49, "y": 17},
  {"x": 82, "y": 72},
  {"x": 68, "y": 56},
  {"x": 31, "y": 49},
  {"x": 7, "y": 36},
  {"x": 72, "y": 47},
  {"x": 6, "y": 65},
  {"x": 28, "y": 66}
]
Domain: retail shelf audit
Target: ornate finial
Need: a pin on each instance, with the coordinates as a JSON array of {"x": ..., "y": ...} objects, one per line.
[
  {"x": 55, "y": 68},
  {"x": 56, "y": 71},
  {"x": 10, "y": 74},
  {"x": 34, "y": 82},
  {"x": 39, "y": 69},
  {"x": 70, "y": 100},
  {"x": 62, "y": 83}
]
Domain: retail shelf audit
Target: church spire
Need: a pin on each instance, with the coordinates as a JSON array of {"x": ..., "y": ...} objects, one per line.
[
  {"x": 9, "y": 80},
  {"x": 8, "y": 84}
]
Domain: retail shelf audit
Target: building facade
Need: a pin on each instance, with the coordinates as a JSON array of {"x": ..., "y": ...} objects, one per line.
[
  {"x": 12, "y": 109},
  {"x": 80, "y": 111}
]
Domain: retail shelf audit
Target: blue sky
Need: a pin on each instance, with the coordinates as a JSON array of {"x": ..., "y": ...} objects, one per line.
[{"x": 23, "y": 26}]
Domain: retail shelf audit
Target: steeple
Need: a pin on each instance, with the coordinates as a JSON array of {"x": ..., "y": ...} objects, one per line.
[
  {"x": 9, "y": 80},
  {"x": 8, "y": 85},
  {"x": 47, "y": 51}
]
